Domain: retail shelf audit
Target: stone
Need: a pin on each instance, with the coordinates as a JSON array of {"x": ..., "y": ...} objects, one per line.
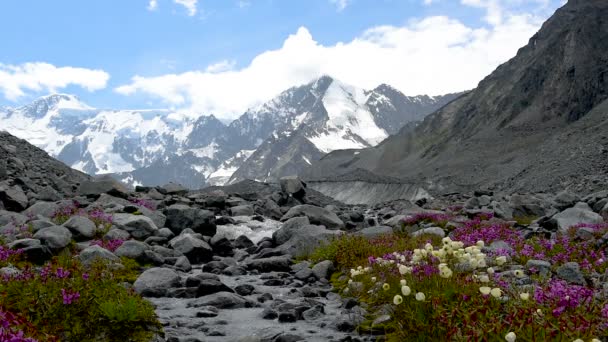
[
  {"x": 323, "y": 269},
  {"x": 565, "y": 199},
  {"x": 180, "y": 217},
  {"x": 207, "y": 311},
  {"x": 39, "y": 224},
  {"x": 155, "y": 282},
  {"x": 437, "y": 231},
  {"x": 221, "y": 246},
  {"x": 37, "y": 253},
  {"x": 172, "y": 189},
  {"x": 139, "y": 227},
  {"x": 133, "y": 249},
  {"x": 571, "y": 272},
  {"x": 306, "y": 239},
  {"x": 313, "y": 313},
  {"x": 41, "y": 208},
  {"x": 498, "y": 246},
  {"x": 210, "y": 286},
  {"x": 288, "y": 316},
  {"x": 106, "y": 185},
  {"x": 581, "y": 213},
  {"x": 604, "y": 212},
  {"x": 196, "y": 250},
  {"x": 243, "y": 242},
  {"x": 47, "y": 193},
  {"x": 269, "y": 314},
  {"x": 166, "y": 233},
  {"x": 272, "y": 264},
  {"x": 96, "y": 253},
  {"x": 244, "y": 289},
  {"x": 541, "y": 266},
  {"x": 242, "y": 210},
  {"x": 55, "y": 237},
  {"x": 82, "y": 228},
  {"x": 316, "y": 215},
  {"x": 13, "y": 198},
  {"x": 183, "y": 264},
  {"x": 117, "y": 234},
  {"x": 304, "y": 274},
  {"x": 289, "y": 228},
  {"x": 293, "y": 186},
  {"x": 222, "y": 300}
]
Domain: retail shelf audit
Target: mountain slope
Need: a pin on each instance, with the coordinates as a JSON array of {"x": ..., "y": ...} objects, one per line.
[
  {"x": 537, "y": 123},
  {"x": 336, "y": 116}
]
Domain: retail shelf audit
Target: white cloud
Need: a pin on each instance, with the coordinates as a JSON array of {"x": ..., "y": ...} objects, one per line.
[
  {"x": 221, "y": 66},
  {"x": 340, "y": 4},
  {"x": 152, "y": 5},
  {"x": 16, "y": 80},
  {"x": 243, "y": 4},
  {"x": 434, "y": 55},
  {"x": 190, "y": 5}
]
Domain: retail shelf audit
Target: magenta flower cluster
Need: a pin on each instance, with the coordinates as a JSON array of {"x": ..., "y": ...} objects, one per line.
[
  {"x": 474, "y": 230},
  {"x": 562, "y": 296},
  {"x": 6, "y": 253},
  {"x": 69, "y": 297},
  {"x": 9, "y": 331},
  {"x": 427, "y": 217},
  {"x": 142, "y": 202},
  {"x": 111, "y": 245}
]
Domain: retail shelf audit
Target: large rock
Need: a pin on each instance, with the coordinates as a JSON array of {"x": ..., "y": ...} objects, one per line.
[
  {"x": 272, "y": 264},
  {"x": 316, "y": 215},
  {"x": 289, "y": 228},
  {"x": 580, "y": 213},
  {"x": 604, "y": 212},
  {"x": 172, "y": 189},
  {"x": 565, "y": 199},
  {"x": 140, "y": 227},
  {"x": 305, "y": 240},
  {"x": 323, "y": 269},
  {"x": 133, "y": 249},
  {"x": 293, "y": 186},
  {"x": 571, "y": 272},
  {"x": 196, "y": 250},
  {"x": 97, "y": 253},
  {"x": 106, "y": 185},
  {"x": 211, "y": 286},
  {"x": 41, "y": 208},
  {"x": 242, "y": 210},
  {"x": 13, "y": 198},
  {"x": 222, "y": 300},
  {"x": 55, "y": 237},
  {"x": 81, "y": 227},
  {"x": 155, "y": 282},
  {"x": 180, "y": 217},
  {"x": 373, "y": 232}
]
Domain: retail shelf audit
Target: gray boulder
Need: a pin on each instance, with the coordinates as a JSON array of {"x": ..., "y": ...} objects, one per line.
[
  {"x": 117, "y": 234},
  {"x": 292, "y": 185},
  {"x": 323, "y": 269},
  {"x": 41, "y": 208},
  {"x": 180, "y": 217},
  {"x": 13, "y": 198},
  {"x": 242, "y": 210},
  {"x": 565, "y": 199},
  {"x": 107, "y": 185},
  {"x": 55, "y": 237},
  {"x": 135, "y": 250},
  {"x": 140, "y": 227},
  {"x": 155, "y": 282},
  {"x": 196, "y": 250},
  {"x": 172, "y": 189},
  {"x": 305, "y": 240},
  {"x": 272, "y": 264},
  {"x": 97, "y": 253},
  {"x": 580, "y": 213},
  {"x": 81, "y": 227},
  {"x": 289, "y": 228},
  {"x": 437, "y": 231},
  {"x": 316, "y": 215},
  {"x": 222, "y": 300},
  {"x": 571, "y": 272}
]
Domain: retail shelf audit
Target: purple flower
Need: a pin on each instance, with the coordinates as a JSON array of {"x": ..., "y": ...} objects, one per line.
[
  {"x": 85, "y": 276},
  {"x": 69, "y": 296},
  {"x": 61, "y": 273}
]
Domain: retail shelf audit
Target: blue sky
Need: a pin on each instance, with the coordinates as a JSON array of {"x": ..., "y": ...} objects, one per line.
[{"x": 201, "y": 55}]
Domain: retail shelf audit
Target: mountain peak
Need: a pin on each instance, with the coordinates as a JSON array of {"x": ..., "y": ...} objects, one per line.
[{"x": 62, "y": 101}]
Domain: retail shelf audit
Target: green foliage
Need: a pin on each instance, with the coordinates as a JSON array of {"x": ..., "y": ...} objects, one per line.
[
  {"x": 525, "y": 220},
  {"x": 66, "y": 302}
]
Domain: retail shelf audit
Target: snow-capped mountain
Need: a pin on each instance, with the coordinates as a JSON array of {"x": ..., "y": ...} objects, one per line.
[
  {"x": 327, "y": 115},
  {"x": 279, "y": 137}
]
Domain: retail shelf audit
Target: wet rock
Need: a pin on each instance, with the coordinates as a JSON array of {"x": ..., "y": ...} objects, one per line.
[
  {"x": 221, "y": 246},
  {"x": 210, "y": 286},
  {"x": 289, "y": 228},
  {"x": 288, "y": 338},
  {"x": 155, "y": 282},
  {"x": 183, "y": 264},
  {"x": 269, "y": 313},
  {"x": 242, "y": 210},
  {"x": 288, "y": 316},
  {"x": 207, "y": 311},
  {"x": 273, "y": 264},
  {"x": 244, "y": 289},
  {"x": 243, "y": 242},
  {"x": 293, "y": 186},
  {"x": 222, "y": 300}
]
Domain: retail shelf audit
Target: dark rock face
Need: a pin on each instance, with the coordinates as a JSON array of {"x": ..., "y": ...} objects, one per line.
[
  {"x": 180, "y": 217},
  {"x": 535, "y": 124}
]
